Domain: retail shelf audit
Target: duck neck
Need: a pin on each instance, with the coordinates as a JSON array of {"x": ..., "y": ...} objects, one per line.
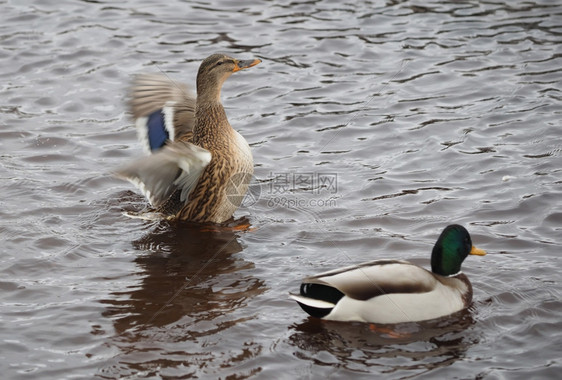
[
  {"x": 209, "y": 87},
  {"x": 208, "y": 92},
  {"x": 211, "y": 121}
]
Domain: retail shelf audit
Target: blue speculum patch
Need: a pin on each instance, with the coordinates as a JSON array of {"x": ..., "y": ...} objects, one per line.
[{"x": 157, "y": 133}]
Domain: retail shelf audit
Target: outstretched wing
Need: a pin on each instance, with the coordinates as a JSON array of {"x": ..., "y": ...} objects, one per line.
[
  {"x": 176, "y": 166},
  {"x": 163, "y": 110}
]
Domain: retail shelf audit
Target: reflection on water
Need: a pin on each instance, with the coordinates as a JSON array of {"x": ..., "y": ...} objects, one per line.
[
  {"x": 420, "y": 347},
  {"x": 193, "y": 287},
  {"x": 428, "y": 112}
]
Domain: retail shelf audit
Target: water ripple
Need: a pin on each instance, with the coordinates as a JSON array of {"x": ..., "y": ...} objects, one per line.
[{"x": 424, "y": 114}]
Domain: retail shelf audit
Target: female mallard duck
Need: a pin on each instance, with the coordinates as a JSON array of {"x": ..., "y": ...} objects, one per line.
[
  {"x": 394, "y": 291},
  {"x": 200, "y": 167}
]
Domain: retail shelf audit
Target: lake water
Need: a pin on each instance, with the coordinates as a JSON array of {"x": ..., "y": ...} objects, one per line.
[{"x": 373, "y": 125}]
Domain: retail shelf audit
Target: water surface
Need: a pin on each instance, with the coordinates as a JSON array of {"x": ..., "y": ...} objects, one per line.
[{"x": 372, "y": 127}]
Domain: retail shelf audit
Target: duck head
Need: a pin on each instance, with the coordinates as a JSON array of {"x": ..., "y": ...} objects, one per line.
[
  {"x": 450, "y": 250},
  {"x": 214, "y": 70}
]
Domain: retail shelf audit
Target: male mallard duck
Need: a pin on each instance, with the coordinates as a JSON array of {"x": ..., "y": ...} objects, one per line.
[
  {"x": 200, "y": 167},
  {"x": 394, "y": 291}
]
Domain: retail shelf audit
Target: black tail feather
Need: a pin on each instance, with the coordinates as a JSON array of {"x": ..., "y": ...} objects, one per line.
[{"x": 319, "y": 292}]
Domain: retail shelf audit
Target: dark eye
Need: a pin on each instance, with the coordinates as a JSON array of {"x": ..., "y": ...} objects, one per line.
[{"x": 219, "y": 63}]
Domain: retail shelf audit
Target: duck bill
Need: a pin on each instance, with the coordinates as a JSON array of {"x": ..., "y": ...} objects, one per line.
[
  {"x": 240, "y": 65},
  {"x": 477, "y": 251}
]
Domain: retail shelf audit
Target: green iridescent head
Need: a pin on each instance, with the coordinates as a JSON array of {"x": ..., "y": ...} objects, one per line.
[{"x": 450, "y": 250}]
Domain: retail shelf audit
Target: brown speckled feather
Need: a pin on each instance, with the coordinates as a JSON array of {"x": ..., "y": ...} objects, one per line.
[
  {"x": 210, "y": 200},
  {"x": 212, "y": 163}
]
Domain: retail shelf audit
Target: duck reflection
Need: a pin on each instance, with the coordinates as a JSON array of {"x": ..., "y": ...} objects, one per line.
[
  {"x": 416, "y": 347},
  {"x": 189, "y": 273},
  {"x": 193, "y": 288}
]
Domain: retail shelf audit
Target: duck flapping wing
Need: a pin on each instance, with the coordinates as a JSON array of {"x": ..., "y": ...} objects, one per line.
[
  {"x": 177, "y": 166},
  {"x": 152, "y": 94}
]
